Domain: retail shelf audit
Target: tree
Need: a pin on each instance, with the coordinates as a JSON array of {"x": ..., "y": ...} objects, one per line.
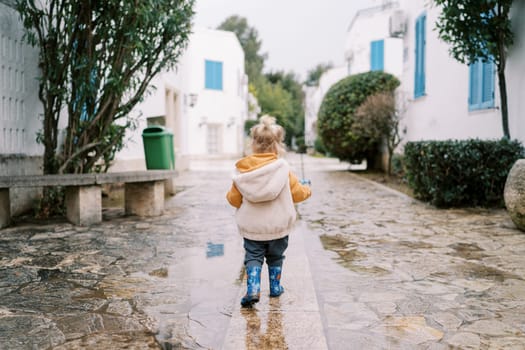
[
  {"x": 337, "y": 115},
  {"x": 378, "y": 118},
  {"x": 313, "y": 75},
  {"x": 279, "y": 94},
  {"x": 479, "y": 29},
  {"x": 97, "y": 59},
  {"x": 290, "y": 83},
  {"x": 276, "y": 101},
  {"x": 249, "y": 39}
]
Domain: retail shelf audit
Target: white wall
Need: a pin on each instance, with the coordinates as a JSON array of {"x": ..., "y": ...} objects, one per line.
[
  {"x": 443, "y": 112},
  {"x": 20, "y": 108},
  {"x": 393, "y": 56},
  {"x": 314, "y": 98},
  {"x": 515, "y": 74}
]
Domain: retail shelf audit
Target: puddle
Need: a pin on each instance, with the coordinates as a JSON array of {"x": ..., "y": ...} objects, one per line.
[
  {"x": 348, "y": 257},
  {"x": 214, "y": 249},
  {"x": 416, "y": 245},
  {"x": 335, "y": 243},
  {"x": 467, "y": 251},
  {"x": 472, "y": 270},
  {"x": 264, "y": 330}
]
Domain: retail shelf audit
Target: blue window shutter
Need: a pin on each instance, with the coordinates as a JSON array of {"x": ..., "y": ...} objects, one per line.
[
  {"x": 481, "y": 85},
  {"x": 419, "y": 75},
  {"x": 423, "y": 49},
  {"x": 487, "y": 93},
  {"x": 474, "y": 85},
  {"x": 377, "y": 55},
  {"x": 208, "y": 83},
  {"x": 213, "y": 75}
]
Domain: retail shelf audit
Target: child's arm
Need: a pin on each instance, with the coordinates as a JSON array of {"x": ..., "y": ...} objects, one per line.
[
  {"x": 234, "y": 197},
  {"x": 299, "y": 192}
]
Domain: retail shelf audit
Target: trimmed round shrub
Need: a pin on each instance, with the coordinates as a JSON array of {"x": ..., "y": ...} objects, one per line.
[{"x": 338, "y": 113}]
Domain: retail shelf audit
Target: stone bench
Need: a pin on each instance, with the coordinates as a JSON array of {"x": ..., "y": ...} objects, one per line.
[{"x": 143, "y": 191}]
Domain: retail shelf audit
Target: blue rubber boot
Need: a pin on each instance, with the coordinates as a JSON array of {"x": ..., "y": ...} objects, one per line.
[
  {"x": 253, "y": 284},
  {"x": 275, "y": 281}
]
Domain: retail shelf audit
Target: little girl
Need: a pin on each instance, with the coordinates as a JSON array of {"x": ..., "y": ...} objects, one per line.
[{"x": 264, "y": 190}]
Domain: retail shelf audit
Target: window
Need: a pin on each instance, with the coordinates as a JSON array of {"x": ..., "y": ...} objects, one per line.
[
  {"x": 377, "y": 56},
  {"x": 419, "y": 79},
  {"x": 481, "y": 85},
  {"x": 213, "y": 75}
]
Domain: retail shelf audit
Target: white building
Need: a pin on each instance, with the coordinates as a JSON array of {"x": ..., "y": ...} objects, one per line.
[
  {"x": 369, "y": 46},
  {"x": 446, "y": 99},
  {"x": 204, "y": 102},
  {"x": 373, "y": 40},
  {"x": 442, "y": 98}
]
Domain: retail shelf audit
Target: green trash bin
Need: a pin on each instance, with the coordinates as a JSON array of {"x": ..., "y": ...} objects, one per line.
[{"x": 158, "y": 147}]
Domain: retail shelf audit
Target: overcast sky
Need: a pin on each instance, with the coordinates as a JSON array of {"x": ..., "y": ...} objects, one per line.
[{"x": 296, "y": 34}]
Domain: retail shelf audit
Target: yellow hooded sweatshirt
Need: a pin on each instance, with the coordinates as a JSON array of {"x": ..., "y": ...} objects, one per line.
[{"x": 264, "y": 190}]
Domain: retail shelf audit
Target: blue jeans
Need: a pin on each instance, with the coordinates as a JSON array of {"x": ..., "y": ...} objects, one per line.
[{"x": 273, "y": 251}]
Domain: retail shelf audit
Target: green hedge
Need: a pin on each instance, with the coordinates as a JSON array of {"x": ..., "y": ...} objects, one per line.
[
  {"x": 337, "y": 114},
  {"x": 460, "y": 173}
]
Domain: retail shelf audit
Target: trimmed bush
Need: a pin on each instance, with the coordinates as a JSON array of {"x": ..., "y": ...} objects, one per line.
[
  {"x": 338, "y": 112},
  {"x": 460, "y": 173},
  {"x": 319, "y": 146},
  {"x": 248, "y": 124},
  {"x": 300, "y": 144}
]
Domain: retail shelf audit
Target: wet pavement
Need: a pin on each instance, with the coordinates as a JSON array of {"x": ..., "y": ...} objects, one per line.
[{"x": 367, "y": 268}]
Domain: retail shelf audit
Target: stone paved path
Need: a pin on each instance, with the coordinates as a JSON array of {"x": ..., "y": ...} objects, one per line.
[
  {"x": 367, "y": 268},
  {"x": 412, "y": 276}
]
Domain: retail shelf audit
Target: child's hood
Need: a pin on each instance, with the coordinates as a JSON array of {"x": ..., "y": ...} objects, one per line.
[{"x": 261, "y": 177}]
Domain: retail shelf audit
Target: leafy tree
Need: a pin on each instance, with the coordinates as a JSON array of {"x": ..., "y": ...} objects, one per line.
[
  {"x": 249, "y": 39},
  {"x": 479, "y": 29},
  {"x": 378, "y": 118},
  {"x": 314, "y": 75},
  {"x": 279, "y": 94},
  {"x": 96, "y": 66},
  {"x": 276, "y": 101},
  {"x": 337, "y": 115},
  {"x": 290, "y": 82},
  {"x": 96, "y": 61}
]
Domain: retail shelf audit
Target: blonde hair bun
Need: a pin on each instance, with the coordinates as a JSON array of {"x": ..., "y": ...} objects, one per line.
[
  {"x": 267, "y": 120},
  {"x": 267, "y": 136}
]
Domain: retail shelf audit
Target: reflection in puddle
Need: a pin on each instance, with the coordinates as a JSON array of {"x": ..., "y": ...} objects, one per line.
[
  {"x": 260, "y": 336},
  {"x": 214, "y": 250}
]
